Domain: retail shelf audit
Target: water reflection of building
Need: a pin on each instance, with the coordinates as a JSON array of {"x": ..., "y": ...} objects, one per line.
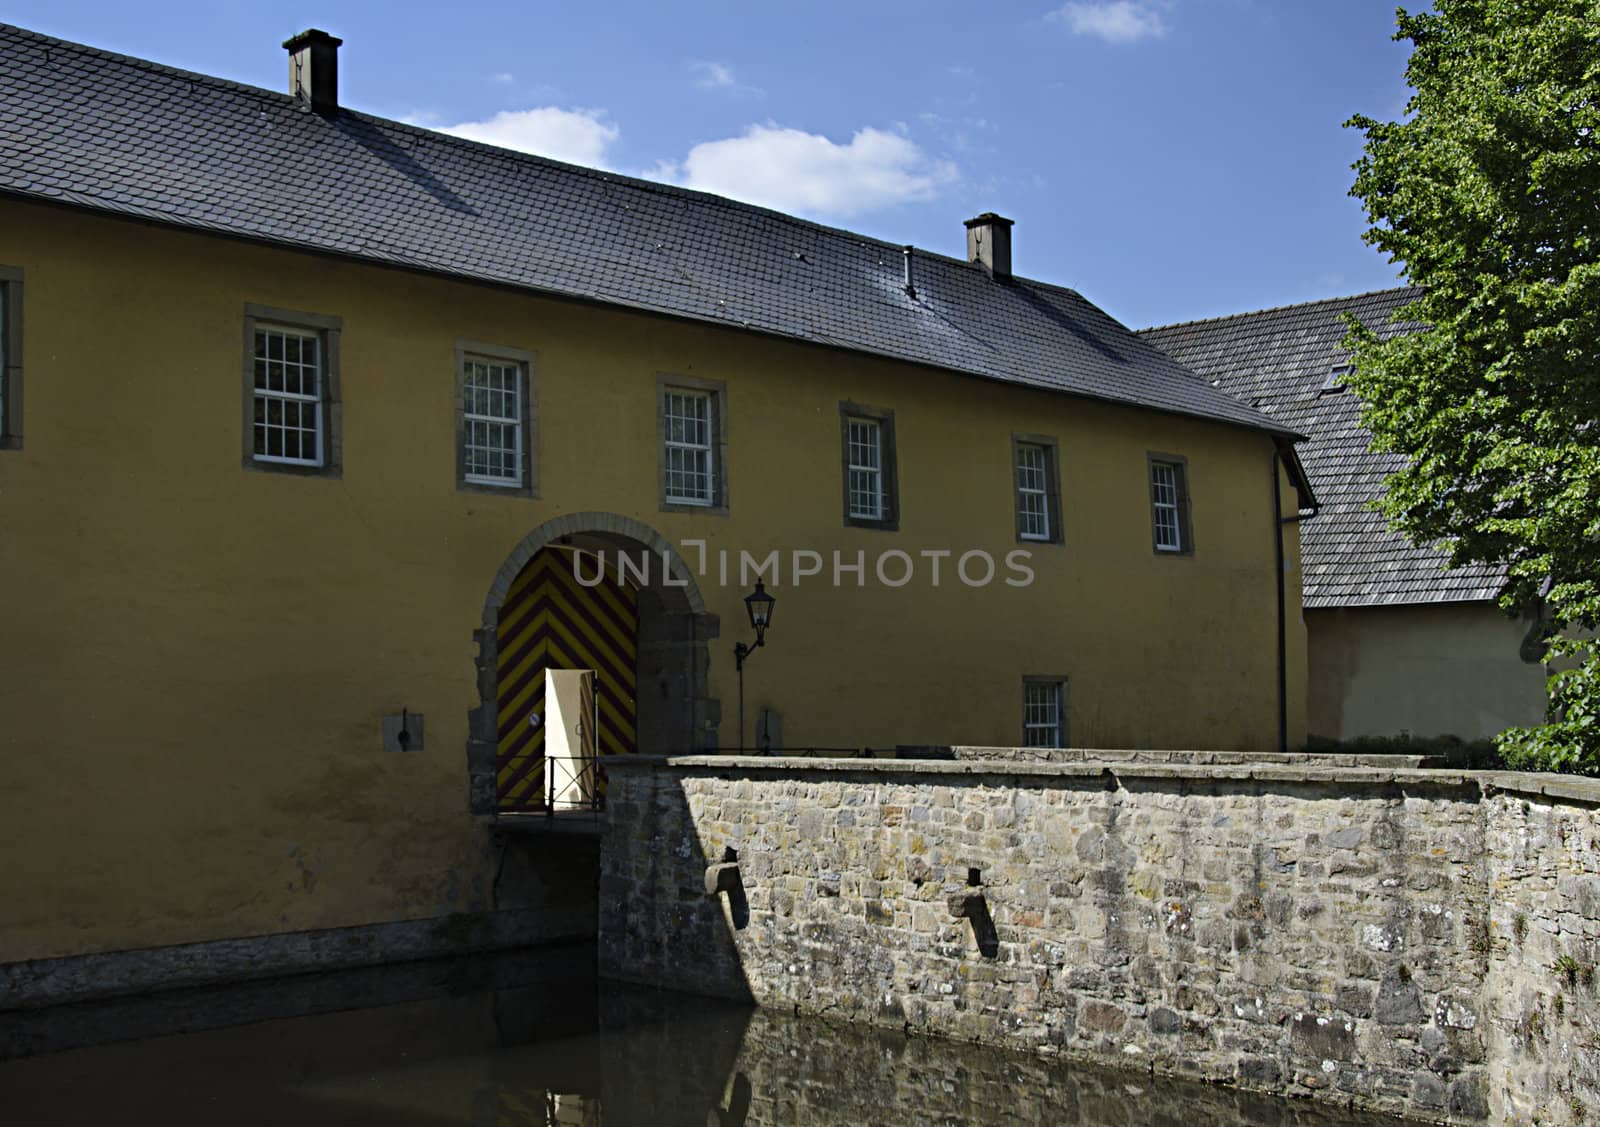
[{"x": 515, "y": 1041}]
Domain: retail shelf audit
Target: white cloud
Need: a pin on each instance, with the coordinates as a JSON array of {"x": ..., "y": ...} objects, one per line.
[
  {"x": 503, "y": 78},
  {"x": 792, "y": 170},
  {"x": 715, "y": 76},
  {"x": 578, "y": 136},
  {"x": 720, "y": 76},
  {"x": 1115, "y": 21}
]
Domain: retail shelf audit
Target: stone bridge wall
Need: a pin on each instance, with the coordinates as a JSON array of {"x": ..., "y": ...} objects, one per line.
[{"x": 1420, "y": 942}]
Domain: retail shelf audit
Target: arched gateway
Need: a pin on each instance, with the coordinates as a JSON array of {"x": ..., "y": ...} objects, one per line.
[{"x": 641, "y": 628}]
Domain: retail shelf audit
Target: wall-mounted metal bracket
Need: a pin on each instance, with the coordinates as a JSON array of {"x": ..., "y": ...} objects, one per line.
[{"x": 403, "y": 732}]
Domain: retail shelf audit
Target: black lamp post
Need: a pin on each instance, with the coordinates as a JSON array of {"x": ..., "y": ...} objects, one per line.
[{"x": 759, "y": 605}]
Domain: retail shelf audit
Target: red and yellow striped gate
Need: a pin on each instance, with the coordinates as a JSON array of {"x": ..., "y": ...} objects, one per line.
[{"x": 551, "y": 621}]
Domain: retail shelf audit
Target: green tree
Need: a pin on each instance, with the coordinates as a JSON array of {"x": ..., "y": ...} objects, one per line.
[{"x": 1487, "y": 193}]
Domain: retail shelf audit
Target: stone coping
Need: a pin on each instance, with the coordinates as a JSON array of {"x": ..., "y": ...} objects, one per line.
[
  {"x": 1194, "y": 758},
  {"x": 1571, "y": 788}
]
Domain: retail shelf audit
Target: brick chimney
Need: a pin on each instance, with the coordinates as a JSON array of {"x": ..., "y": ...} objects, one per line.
[
  {"x": 989, "y": 243},
  {"x": 314, "y": 70}
]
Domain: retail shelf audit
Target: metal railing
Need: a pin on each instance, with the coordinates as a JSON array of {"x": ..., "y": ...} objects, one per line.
[{"x": 574, "y": 785}]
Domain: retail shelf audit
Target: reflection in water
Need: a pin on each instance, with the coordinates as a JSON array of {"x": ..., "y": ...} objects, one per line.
[{"x": 531, "y": 1039}]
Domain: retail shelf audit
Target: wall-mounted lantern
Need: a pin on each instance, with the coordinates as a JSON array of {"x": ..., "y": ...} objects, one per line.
[{"x": 759, "y": 606}]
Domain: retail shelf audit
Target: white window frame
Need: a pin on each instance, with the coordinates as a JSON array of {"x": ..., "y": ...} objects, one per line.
[
  {"x": 1044, "y": 707},
  {"x": 714, "y": 447},
  {"x": 524, "y": 365},
  {"x": 856, "y": 429},
  {"x": 515, "y": 420},
  {"x": 1168, "y": 477},
  {"x": 326, "y": 458},
  {"x": 858, "y": 423},
  {"x": 706, "y": 450},
  {"x": 1031, "y": 490},
  {"x": 266, "y": 396}
]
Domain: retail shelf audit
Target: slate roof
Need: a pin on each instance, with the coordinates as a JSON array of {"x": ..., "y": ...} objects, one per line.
[
  {"x": 1279, "y": 361},
  {"x": 88, "y": 128}
]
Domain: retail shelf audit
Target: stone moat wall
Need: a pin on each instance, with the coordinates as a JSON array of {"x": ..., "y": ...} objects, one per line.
[{"x": 1421, "y": 942}]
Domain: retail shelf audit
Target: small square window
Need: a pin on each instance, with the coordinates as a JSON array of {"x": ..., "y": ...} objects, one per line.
[
  {"x": 1038, "y": 489},
  {"x": 291, "y": 391},
  {"x": 1335, "y": 379},
  {"x": 496, "y": 421},
  {"x": 10, "y": 358},
  {"x": 1169, "y": 505},
  {"x": 1044, "y": 702},
  {"x": 868, "y": 467},
  {"x": 692, "y": 419}
]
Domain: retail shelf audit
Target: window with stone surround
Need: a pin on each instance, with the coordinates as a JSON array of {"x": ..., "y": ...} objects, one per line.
[
  {"x": 291, "y": 391},
  {"x": 1044, "y": 711},
  {"x": 867, "y": 463},
  {"x": 496, "y": 419},
  {"x": 1171, "y": 531},
  {"x": 692, "y": 434},
  {"x": 1038, "y": 488}
]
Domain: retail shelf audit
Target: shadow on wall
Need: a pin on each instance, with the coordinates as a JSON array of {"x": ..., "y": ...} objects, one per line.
[{"x": 663, "y": 900}]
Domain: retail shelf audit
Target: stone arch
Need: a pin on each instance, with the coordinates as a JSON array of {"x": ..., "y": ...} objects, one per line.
[{"x": 675, "y": 712}]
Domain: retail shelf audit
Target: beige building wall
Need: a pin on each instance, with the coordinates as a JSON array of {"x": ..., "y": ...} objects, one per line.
[
  {"x": 200, "y": 655},
  {"x": 1445, "y": 669}
]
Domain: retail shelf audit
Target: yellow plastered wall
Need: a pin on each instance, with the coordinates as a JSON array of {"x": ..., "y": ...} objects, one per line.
[
  {"x": 199, "y": 655},
  {"x": 1446, "y": 669}
]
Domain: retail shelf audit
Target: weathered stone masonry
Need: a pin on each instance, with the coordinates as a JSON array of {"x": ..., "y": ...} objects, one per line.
[{"x": 1421, "y": 942}]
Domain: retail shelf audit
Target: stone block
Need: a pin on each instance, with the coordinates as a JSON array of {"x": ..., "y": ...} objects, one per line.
[
  {"x": 1466, "y": 1097},
  {"x": 1322, "y": 1038},
  {"x": 1428, "y": 1092},
  {"x": 1164, "y": 1021},
  {"x": 1258, "y": 1072},
  {"x": 1451, "y": 1011},
  {"x": 1355, "y": 998},
  {"x": 1101, "y": 1017},
  {"x": 1399, "y": 1001},
  {"x": 1347, "y": 838}
]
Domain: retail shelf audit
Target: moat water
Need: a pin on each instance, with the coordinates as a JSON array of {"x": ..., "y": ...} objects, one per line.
[{"x": 533, "y": 1039}]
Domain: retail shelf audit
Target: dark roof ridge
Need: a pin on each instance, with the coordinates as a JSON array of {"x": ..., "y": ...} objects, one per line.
[{"x": 1277, "y": 309}]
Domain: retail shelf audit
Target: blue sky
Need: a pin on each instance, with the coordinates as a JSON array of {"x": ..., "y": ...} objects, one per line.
[{"x": 1170, "y": 159}]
